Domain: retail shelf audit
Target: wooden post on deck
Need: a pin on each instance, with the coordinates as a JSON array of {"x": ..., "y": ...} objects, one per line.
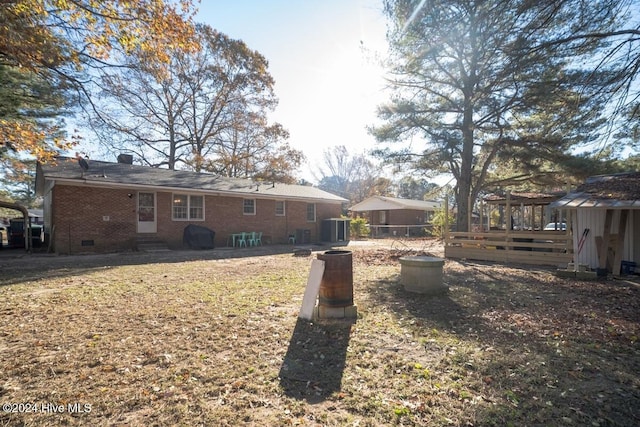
[
  {"x": 622, "y": 229},
  {"x": 532, "y": 220},
  {"x": 507, "y": 208},
  {"x": 604, "y": 245}
]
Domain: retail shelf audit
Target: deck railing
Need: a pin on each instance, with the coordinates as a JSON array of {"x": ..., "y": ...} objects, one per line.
[{"x": 539, "y": 247}]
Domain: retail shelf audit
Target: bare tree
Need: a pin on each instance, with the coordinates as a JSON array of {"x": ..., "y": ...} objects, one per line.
[
  {"x": 351, "y": 176},
  {"x": 208, "y": 113}
]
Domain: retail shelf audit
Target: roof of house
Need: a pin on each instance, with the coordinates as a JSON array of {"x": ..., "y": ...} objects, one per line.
[
  {"x": 143, "y": 177},
  {"x": 618, "y": 191},
  {"x": 383, "y": 203}
]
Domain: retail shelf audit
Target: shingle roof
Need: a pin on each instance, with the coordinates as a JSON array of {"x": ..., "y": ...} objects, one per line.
[
  {"x": 377, "y": 203},
  {"x": 619, "y": 191},
  {"x": 132, "y": 176},
  {"x": 624, "y": 186}
]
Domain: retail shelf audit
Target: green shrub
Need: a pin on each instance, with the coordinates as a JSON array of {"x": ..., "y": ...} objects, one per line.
[
  {"x": 440, "y": 223},
  {"x": 359, "y": 228}
]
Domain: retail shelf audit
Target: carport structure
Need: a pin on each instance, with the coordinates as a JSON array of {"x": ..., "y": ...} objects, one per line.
[{"x": 25, "y": 215}]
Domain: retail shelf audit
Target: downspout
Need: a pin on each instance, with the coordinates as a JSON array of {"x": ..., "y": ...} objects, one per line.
[{"x": 27, "y": 223}]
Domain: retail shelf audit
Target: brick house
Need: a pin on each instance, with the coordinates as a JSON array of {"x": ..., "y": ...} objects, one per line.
[
  {"x": 395, "y": 216},
  {"x": 114, "y": 206}
]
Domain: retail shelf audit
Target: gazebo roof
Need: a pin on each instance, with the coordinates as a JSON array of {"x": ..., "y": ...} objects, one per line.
[{"x": 527, "y": 198}]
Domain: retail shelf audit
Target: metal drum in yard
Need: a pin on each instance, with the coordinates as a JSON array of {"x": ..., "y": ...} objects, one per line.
[{"x": 336, "y": 286}]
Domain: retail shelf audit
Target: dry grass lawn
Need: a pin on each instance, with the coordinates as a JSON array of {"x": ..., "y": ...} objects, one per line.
[{"x": 208, "y": 338}]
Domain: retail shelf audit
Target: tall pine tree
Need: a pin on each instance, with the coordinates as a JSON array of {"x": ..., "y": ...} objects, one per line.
[{"x": 477, "y": 82}]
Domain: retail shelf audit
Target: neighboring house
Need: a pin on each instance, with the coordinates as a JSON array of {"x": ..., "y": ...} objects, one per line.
[
  {"x": 113, "y": 206},
  {"x": 605, "y": 213},
  {"x": 390, "y": 215}
]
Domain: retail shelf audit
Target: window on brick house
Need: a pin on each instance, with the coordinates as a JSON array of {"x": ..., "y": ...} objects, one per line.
[
  {"x": 187, "y": 207},
  {"x": 196, "y": 207},
  {"x": 311, "y": 212},
  {"x": 249, "y": 207},
  {"x": 280, "y": 208}
]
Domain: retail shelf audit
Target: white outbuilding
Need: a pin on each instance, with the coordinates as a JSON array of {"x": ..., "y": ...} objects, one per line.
[{"x": 605, "y": 215}]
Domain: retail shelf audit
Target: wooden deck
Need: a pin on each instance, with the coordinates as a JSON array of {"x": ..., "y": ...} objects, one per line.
[{"x": 553, "y": 248}]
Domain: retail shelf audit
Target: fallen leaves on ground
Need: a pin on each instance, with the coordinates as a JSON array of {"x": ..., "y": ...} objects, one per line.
[{"x": 188, "y": 339}]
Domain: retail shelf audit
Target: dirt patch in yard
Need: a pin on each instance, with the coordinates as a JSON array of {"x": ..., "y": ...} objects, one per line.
[{"x": 213, "y": 338}]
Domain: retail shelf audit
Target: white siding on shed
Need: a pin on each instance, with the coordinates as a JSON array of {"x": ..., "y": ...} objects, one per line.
[{"x": 593, "y": 219}]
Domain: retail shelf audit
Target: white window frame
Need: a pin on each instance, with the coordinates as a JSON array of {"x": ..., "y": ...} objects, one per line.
[
  {"x": 282, "y": 212},
  {"x": 189, "y": 217},
  {"x": 245, "y": 206},
  {"x": 314, "y": 212},
  {"x": 191, "y": 207}
]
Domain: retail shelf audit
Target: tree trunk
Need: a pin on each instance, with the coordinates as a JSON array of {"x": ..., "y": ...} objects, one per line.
[
  {"x": 171, "y": 161},
  {"x": 466, "y": 164}
]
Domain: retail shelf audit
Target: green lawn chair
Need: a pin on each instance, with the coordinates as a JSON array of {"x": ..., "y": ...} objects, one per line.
[
  {"x": 251, "y": 238},
  {"x": 256, "y": 239},
  {"x": 242, "y": 241}
]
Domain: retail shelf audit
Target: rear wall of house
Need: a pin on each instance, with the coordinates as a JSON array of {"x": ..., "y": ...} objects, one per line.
[
  {"x": 398, "y": 217},
  {"x": 407, "y": 217},
  {"x": 225, "y": 216},
  {"x": 88, "y": 219}
]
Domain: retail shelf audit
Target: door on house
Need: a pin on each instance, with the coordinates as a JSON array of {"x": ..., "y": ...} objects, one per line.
[{"x": 147, "y": 213}]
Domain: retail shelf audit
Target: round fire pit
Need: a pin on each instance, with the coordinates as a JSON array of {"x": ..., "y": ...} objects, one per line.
[{"x": 422, "y": 274}]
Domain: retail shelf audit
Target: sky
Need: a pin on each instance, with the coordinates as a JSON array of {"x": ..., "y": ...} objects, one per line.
[{"x": 320, "y": 54}]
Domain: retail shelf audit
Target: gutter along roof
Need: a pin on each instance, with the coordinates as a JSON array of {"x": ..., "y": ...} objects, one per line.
[{"x": 122, "y": 175}]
